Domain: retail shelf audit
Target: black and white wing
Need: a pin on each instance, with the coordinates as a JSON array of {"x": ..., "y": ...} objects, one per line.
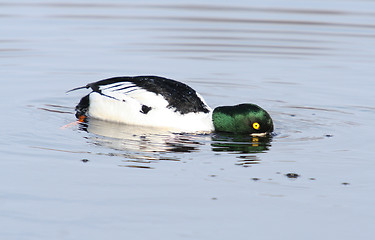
[{"x": 152, "y": 92}]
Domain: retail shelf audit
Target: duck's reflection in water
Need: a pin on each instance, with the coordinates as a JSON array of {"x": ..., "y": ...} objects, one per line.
[
  {"x": 245, "y": 146},
  {"x": 139, "y": 146},
  {"x": 240, "y": 143}
]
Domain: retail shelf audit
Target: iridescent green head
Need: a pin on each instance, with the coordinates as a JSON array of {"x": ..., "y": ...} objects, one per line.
[{"x": 242, "y": 118}]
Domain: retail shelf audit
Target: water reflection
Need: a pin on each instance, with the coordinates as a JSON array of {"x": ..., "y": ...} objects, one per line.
[
  {"x": 240, "y": 143},
  {"x": 247, "y": 160},
  {"x": 139, "y": 138},
  {"x": 145, "y": 145}
]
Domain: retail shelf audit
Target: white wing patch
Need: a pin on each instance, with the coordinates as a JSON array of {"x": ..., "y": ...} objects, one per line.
[{"x": 126, "y": 90}]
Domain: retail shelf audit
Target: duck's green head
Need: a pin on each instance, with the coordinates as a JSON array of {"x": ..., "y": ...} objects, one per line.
[{"x": 242, "y": 118}]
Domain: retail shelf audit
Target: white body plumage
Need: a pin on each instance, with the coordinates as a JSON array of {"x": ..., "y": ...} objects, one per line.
[{"x": 128, "y": 103}]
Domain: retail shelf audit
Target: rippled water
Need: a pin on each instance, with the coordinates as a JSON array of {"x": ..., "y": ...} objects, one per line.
[{"x": 310, "y": 64}]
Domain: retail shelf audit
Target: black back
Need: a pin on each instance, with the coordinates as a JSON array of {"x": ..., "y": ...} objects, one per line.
[{"x": 180, "y": 96}]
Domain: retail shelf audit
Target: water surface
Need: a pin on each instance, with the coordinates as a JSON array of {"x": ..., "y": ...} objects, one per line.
[{"x": 310, "y": 64}]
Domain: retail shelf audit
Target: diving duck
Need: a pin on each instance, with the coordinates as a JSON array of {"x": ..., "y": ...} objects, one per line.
[{"x": 160, "y": 102}]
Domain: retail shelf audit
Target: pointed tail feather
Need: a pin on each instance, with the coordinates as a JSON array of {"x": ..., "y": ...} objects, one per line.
[{"x": 74, "y": 89}]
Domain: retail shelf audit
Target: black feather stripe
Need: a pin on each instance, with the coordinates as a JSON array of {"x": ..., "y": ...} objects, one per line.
[
  {"x": 127, "y": 87},
  {"x": 113, "y": 86}
]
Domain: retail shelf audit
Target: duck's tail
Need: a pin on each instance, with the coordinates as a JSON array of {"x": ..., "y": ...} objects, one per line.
[
  {"x": 74, "y": 89},
  {"x": 83, "y": 107}
]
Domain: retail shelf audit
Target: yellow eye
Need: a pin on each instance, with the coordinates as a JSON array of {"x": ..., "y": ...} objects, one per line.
[{"x": 256, "y": 126}]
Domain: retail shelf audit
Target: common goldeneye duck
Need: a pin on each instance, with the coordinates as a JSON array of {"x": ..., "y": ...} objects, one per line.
[{"x": 161, "y": 102}]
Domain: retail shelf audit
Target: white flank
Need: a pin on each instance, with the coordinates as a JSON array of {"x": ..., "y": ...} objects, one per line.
[{"x": 126, "y": 108}]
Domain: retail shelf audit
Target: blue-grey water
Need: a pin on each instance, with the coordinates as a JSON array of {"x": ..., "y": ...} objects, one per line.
[{"x": 311, "y": 64}]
